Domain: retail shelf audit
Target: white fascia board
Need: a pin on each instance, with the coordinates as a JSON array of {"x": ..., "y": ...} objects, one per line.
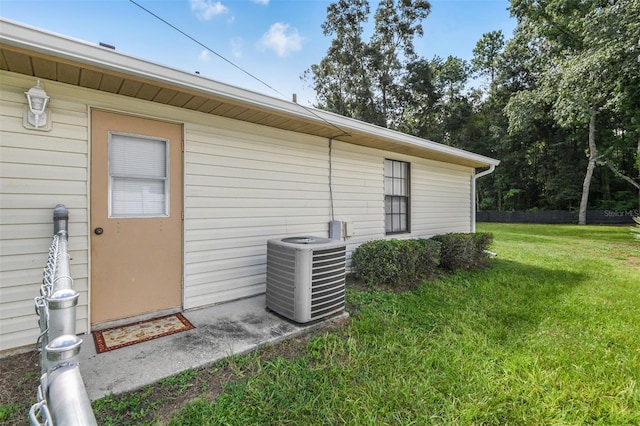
[
  {"x": 351, "y": 124},
  {"x": 37, "y": 40}
]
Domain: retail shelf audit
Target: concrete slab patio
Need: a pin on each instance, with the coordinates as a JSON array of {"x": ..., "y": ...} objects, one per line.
[{"x": 220, "y": 331}]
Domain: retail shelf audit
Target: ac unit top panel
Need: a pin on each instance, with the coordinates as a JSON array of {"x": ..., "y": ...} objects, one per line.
[{"x": 307, "y": 243}]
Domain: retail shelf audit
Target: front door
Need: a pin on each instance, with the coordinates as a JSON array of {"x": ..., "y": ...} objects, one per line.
[{"x": 136, "y": 216}]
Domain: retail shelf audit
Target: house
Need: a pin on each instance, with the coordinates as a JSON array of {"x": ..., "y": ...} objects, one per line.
[{"x": 175, "y": 182}]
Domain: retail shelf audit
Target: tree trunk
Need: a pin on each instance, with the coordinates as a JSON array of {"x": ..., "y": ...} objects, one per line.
[{"x": 593, "y": 155}]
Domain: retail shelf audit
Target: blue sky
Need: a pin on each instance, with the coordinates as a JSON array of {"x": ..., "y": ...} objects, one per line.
[{"x": 275, "y": 40}]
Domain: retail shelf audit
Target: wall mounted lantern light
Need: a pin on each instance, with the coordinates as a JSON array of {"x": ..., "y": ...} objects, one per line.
[{"x": 37, "y": 115}]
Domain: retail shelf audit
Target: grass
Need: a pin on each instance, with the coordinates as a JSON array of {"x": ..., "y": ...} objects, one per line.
[{"x": 547, "y": 335}]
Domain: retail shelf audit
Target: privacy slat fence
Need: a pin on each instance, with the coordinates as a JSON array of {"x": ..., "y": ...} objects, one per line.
[
  {"x": 594, "y": 217},
  {"x": 62, "y": 396}
]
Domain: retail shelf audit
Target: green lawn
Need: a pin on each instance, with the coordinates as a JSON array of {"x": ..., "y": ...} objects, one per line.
[{"x": 548, "y": 335}]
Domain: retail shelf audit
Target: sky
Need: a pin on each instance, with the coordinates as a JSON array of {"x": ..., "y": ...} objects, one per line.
[{"x": 274, "y": 41}]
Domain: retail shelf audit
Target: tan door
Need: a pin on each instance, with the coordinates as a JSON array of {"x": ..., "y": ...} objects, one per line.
[{"x": 136, "y": 209}]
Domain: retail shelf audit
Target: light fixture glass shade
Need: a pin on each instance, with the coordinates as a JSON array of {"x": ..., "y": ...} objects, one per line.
[{"x": 37, "y": 99}]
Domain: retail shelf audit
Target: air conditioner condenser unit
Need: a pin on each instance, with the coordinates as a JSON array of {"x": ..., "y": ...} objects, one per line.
[{"x": 306, "y": 277}]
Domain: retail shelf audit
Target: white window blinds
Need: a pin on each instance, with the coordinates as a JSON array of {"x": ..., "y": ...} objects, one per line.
[{"x": 138, "y": 176}]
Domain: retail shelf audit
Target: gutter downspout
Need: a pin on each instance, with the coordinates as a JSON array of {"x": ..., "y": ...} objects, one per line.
[{"x": 490, "y": 170}]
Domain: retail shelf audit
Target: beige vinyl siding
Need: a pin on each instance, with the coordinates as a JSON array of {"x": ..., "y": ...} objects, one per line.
[
  {"x": 440, "y": 194},
  {"x": 245, "y": 184},
  {"x": 358, "y": 192},
  {"x": 37, "y": 171},
  {"x": 440, "y": 198}
]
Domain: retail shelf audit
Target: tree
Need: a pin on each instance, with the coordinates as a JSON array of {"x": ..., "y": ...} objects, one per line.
[
  {"x": 486, "y": 55},
  {"x": 340, "y": 79},
  {"x": 363, "y": 79},
  {"x": 421, "y": 99},
  {"x": 396, "y": 26},
  {"x": 589, "y": 62},
  {"x": 439, "y": 107}
]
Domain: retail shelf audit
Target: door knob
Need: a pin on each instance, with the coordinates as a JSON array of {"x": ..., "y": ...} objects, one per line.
[{"x": 98, "y": 231}]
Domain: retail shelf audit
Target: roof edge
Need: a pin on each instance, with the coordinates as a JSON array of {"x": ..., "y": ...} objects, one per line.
[{"x": 44, "y": 42}]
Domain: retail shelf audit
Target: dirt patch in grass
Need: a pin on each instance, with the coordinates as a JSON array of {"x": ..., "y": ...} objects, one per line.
[
  {"x": 19, "y": 380},
  {"x": 628, "y": 253},
  {"x": 20, "y": 377},
  {"x": 208, "y": 382},
  {"x": 633, "y": 261}
]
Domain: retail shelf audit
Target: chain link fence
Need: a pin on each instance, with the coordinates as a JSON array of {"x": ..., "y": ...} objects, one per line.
[{"x": 62, "y": 396}]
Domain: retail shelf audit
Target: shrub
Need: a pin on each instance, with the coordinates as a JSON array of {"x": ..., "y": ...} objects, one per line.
[
  {"x": 429, "y": 257},
  {"x": 400, "y": 262},
  {"x": 463, "y": 251},
  {"x": 456, "y": 252},
  {"x": 395, "y": 262},
  {"x": 378, "y": 262},
  {"x": 482, "y": 241}
]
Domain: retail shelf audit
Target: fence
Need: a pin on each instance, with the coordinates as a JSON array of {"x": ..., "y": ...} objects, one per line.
[
  {"x": 594, "y": 217},
  {"x": 62, "y": 396}
]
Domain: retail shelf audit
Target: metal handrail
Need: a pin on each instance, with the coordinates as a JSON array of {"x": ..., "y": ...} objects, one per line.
[{"x": 62, "y": 396}]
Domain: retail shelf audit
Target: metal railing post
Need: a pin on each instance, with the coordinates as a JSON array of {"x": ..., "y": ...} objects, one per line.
[
  {"x": 62, "y": 396},
  {"x": 60, "y": 219},
  {"x": 66, "y": 396},
  {"x": 62, "y": 313}
]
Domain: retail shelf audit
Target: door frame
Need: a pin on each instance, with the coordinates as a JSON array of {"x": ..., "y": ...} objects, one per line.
[{"x": 90, "y": 225}]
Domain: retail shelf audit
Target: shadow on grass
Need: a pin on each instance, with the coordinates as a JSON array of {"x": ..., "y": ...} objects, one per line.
[
  {"x": 503, "y": 302},
  {"x": 515, "y": 297}
]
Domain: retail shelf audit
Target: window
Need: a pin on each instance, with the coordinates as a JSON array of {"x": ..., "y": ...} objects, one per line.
[
  {"x": 138, "y": 176},
  {"x": 396, "y": 196}
]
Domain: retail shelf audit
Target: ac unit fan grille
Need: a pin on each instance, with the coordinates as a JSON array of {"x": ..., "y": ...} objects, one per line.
[
  {"x": 327, "y": 281},
  {"x": 281, "y": 271}
]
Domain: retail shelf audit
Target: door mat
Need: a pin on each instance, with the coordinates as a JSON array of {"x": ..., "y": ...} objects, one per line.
[{"x": 127, "y": 335}]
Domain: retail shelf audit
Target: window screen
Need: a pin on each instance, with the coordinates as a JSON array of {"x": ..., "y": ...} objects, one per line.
[
  {"x": 396, "y": 190},
  {"x": 138, "y": 176}
]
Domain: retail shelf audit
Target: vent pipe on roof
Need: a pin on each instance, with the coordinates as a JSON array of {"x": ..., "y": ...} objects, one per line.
[
  {"x": 108, "y": 46},
  {"x": 295, "y": 98}
]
